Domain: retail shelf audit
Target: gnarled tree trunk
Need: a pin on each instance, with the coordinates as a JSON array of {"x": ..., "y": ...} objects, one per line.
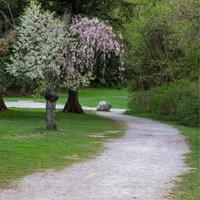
[
  {"x": 2, "y": 104},
  {"x": 51, "y": 111},
  {"x": 72, "y": 105}
]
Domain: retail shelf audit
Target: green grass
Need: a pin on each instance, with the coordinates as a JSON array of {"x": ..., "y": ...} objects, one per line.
[
  {"x": 188, "y": 187},
  {"x": 26, "y": 147},
  {"x": 89, "y": 97}
]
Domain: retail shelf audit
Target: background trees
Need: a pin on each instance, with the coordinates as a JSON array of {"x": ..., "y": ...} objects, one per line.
[
  {"x": 7, "y": 39},
  {"x": 158, "y": 38},
  {"x": 6, "y": 43},
  {"x": 163, "y": 59}
]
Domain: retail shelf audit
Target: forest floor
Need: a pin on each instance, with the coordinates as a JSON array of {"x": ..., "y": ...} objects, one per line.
[{"x": 143, "y": 164}]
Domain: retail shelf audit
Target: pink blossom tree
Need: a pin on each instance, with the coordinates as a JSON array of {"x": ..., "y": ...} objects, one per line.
[{"x": 94, "y": 38}]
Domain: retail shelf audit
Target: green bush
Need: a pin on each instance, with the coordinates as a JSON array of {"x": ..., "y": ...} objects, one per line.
[
  {"x": 174, "y": 101},
  {"x": 188, "y": 111}
]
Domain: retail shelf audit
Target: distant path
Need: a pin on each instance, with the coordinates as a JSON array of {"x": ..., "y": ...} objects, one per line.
[
  {"x": 32, "y": 104},
  {"x": 142, "y": 165}
]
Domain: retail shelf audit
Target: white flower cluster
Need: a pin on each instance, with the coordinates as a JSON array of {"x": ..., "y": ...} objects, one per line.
[{"x": 38, "y": 52}]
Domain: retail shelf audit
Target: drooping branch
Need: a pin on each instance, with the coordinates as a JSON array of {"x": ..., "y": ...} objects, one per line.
[{"x": 94, "y": 38}]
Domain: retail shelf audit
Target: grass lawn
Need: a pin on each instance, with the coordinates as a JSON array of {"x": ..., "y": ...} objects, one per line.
[
  {"x": 89, "y": 97},
  {"x": 188, "y": 188},
  {"x": 26, "y": 147}
]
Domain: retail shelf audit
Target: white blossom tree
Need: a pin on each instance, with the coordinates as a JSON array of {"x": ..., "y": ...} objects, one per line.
[
  {"x": 94, "y": 38},
  {"x": 38, "y": 53}
]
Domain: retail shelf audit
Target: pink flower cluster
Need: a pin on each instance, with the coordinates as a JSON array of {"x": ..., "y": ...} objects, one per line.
[{"x": 93, "y": 38}]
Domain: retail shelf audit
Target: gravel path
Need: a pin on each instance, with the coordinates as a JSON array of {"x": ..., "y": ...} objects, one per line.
[
  {"x": 31, "y": 104},
  {"x": 142, "y": 165}
]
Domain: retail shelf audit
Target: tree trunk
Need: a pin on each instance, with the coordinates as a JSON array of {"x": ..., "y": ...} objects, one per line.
[
  {"x": 51, "y": 115},
  {"x": 72, "y": 105},
  {"x": 51, "y": 111},
  {"x": 2, "y": 104}
]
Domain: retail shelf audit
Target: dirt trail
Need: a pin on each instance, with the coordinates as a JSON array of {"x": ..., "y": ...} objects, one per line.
[{"x": 142, "y": 165}]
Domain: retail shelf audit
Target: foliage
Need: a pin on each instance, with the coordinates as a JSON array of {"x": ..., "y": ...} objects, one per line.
[
  {"x": 98, "y": 8},
  {"x": 94, "y": 39},
  {"x": 38, "y": 49},
  {"x": 176, "y": 101},
  {"x": 111, "y": 75},
  {"x": 6, "y": 43},
  {"x": 10, "y": 10},
  {"x": 162, "y": 38},
  {"x": 188, "y": 110},
  {"x": 101, "y": 9},
  {"x": 163, "y": 42}
]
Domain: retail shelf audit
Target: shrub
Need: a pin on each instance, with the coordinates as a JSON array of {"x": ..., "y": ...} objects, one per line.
[
  {"x": 188, "y": 111},
  {"x": 175, "y": 101}
]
